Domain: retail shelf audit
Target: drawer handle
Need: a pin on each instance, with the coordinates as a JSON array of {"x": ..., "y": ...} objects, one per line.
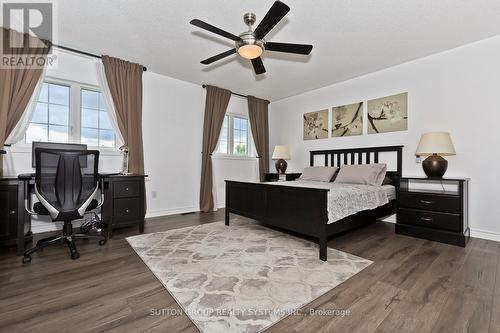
[
  {"x": 426, "y": 219},
  {"x": 427, "y": 202},
  {"x": 127, "y": 211},
  {"x": 126, "y": 188},
  {"x": 12, "y": 212}
]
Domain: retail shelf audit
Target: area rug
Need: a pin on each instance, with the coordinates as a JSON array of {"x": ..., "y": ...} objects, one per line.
[{"x": 243, "y": 277}]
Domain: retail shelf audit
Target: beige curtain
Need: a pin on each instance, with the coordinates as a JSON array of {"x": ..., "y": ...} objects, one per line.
[
  {"x": 259, "y": 124},
  {"x": 125, "y": 85},
  {"x": 17, "y": 84},
  {"x": 215, "y": 109}
]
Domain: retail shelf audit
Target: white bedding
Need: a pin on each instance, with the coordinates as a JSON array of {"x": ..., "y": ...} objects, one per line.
[{"x": 348, "y": 199}]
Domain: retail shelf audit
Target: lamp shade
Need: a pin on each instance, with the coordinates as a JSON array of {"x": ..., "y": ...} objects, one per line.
[
  {"x": 281, "y": 152},
  {"x": 435, "y": 143}
]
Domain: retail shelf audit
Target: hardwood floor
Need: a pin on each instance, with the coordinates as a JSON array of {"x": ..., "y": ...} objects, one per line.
[{"x": 413, "y": 286}]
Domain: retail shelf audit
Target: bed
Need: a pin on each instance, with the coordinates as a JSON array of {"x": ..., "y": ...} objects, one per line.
[{"x": 303, "y": 209}]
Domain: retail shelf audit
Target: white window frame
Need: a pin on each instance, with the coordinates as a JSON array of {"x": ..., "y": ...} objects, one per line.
[
  {"x": 75, "y": 117},
  {"x": 230, "y": 127}
]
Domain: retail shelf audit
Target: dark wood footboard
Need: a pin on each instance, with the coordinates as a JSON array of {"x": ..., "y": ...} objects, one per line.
[
  {"x": 305, "y": 210},
  {"x": 298, "y": 209}
]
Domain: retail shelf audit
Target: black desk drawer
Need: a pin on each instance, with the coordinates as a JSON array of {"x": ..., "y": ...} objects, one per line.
[
  {"x": 435, "y": 202},
  {"x": 127, "y": 209},
  {"x": 428, "y": 219},
  {"x": 126, "y": 189}
]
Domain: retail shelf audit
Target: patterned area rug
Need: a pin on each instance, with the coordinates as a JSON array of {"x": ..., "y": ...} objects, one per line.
[{"x": 241, "y": 278}]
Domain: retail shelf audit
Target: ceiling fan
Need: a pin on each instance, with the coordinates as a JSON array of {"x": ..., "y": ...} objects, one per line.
[{"x": 251, "y": 44}]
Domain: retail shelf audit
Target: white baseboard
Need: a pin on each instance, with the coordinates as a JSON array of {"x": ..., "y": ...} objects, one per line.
[
  {"x": 180, "y": 210},
  {"x": 478, "y": 233},
  {"x": 172, "y": 211}
]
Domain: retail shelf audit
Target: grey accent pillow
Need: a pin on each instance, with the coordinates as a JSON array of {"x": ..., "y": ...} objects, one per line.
[
  {"x": 387, "y": 181},
  {"x": 365, "y": 174},
  {"x": 318, "y": 174}
]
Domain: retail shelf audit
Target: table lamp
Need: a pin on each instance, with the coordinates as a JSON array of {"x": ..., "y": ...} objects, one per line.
[
  {"x": 434, "y": 145},
  {"x": 281, "y": 153}
]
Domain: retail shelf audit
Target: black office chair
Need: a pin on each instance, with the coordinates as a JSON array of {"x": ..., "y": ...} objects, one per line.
[{"x": 66, "y": 182}]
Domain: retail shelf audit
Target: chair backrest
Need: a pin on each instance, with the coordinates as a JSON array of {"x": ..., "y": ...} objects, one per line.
[{"x": 66, "y": 181}]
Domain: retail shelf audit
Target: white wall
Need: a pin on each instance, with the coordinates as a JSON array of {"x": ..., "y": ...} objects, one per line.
[
  {"x": 172, "y": 132},
  {"x": 173, "y": 113},
  {"x": 456, "y": 91}
]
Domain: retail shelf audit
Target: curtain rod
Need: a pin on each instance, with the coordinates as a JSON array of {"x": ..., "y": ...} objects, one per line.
[
  {"x": 85, "y": 53},
  {"x": 233, "y": 93}
]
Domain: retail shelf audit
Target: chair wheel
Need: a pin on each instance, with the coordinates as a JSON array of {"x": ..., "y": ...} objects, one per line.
[
  {"x": 75, "y": 255},
  {"x": 102, "y": 242},
  {"x": 26, "y": 259}
]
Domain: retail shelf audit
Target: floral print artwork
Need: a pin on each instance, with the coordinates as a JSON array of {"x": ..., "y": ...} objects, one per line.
[{"x": 316, "y": 125}]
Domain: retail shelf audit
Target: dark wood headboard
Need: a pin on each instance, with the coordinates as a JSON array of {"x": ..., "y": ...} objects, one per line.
[{"x": 339, "y": 157}]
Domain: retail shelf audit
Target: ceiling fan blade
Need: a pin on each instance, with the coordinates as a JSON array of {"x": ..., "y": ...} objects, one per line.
[
  {"x": 215, "y": 30},
  {"x": 289, "y": 48},
  {"x": 273, "y": 16},
  {"x": 258, "y": 66},
  {"x": 218, "y": 57}
]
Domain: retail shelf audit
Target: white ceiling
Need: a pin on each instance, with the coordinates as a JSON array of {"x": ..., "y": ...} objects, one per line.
[{"x": 350, "y": 37}]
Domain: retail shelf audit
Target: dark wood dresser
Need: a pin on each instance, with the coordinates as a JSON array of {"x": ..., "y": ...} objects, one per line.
[
  {"x": 124, "y": 202},
  {"x": 274, "y": 177},
  {"x": 15, "y": 227},
  {"x": 434, "y": 209}
]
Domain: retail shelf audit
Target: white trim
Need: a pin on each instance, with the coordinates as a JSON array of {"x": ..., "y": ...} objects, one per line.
[
  {"x": 172, "y": 211},
  {"x": 74, "y": 119},
  {"x": 489, "y": 235},
  {"x": 26, "y": 149},
  {"x": 233, "y": 157},
  {"x": 230, "y": 134}
]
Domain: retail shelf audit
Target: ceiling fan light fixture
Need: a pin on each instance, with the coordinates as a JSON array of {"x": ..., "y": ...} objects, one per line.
[{"x": 250, "y": 51}]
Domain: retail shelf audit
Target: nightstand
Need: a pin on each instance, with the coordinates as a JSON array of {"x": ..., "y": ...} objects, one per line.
[
  {"x": 124, "y": 201},
  {"x": 434, "y": 209},
  {"x": 274, "y": 177}
]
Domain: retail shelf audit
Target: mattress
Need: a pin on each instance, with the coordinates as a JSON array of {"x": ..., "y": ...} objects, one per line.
[
  {"x": 390, "y": 190},
  {"x": 348, "y": 199}
]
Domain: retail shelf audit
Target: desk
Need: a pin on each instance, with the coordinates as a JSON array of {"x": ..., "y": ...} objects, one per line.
[
  {"x": 124, "y": 205},
  {"x": 15, "y": 222}
]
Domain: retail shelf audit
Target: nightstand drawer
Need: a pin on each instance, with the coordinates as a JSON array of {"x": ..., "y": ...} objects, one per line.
[
  {"x": 126, "y": 189},
  {"x": 125, "y": 210},
  {"x": 428, "y": 201},
  {"x": 428, "y": 219}
]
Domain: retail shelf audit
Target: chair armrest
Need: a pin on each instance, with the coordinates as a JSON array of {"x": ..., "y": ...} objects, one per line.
[
  {"x": 26, "y": 178},
  {"x": 101, "y": 202}
]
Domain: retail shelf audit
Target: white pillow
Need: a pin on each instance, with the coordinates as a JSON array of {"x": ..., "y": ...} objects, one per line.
[
  {"x": 365, "y": 174},
  {"x": 319, "y": 174}
]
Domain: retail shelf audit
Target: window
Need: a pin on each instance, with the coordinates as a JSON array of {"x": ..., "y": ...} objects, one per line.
[
  {"x": 96, "y": 129},
  {"x": 240, "y": 136},
  {"x": 235, "y": 137},
  {"x": 50, "y": 121},
  {"x": 70, "y": 112},
  {"x": 223, "y": 147}
]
